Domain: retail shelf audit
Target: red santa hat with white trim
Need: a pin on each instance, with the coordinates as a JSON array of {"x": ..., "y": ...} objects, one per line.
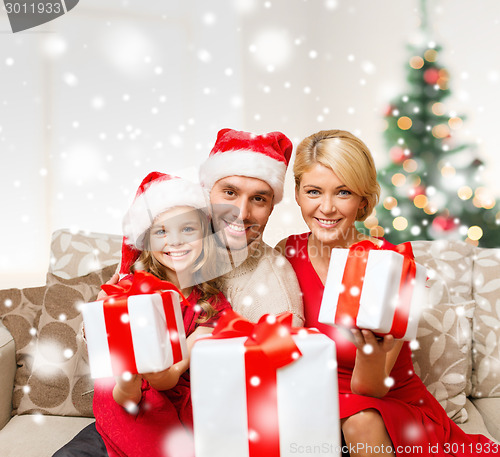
[
  {"x": 157, "y": 193},
  {"x": 237, "y": 153}
]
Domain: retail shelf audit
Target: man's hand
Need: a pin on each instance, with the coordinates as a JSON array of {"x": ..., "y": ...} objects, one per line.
[{"x": 113, "y": 280}]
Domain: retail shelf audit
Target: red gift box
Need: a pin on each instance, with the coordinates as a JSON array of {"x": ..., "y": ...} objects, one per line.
[
  {"x": 267, "y": 388},
  {"x": 138, "y": 328},
  {"x": 368, "y": 287}
]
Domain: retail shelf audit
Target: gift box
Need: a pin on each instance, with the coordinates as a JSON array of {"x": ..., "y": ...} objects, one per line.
[
  {"x": 135, "y": 332},
  {"x": 382, "y": 290},
  {"x": 269, "y": 392}
]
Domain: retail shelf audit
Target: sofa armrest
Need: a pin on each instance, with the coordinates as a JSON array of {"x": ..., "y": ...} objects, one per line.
[{"x": 7, "y": 374}]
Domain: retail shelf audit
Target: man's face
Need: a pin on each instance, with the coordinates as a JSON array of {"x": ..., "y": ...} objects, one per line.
[{"x": 241, "y": 207}]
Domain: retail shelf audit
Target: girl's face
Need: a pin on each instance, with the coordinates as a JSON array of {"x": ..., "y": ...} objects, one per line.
[
  {"x": 176, "y": 238},
  {"x": 328, "y": 206}
]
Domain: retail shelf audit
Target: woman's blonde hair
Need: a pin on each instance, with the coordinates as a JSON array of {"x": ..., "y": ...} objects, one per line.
[
  {"x": 348, "y": 157},
  {"x": 204, "y": 267}
]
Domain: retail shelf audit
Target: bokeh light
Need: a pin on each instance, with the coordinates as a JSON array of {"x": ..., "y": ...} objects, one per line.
[
  {"x": 431, "y": 55},
  {"x": 475, "y": 232},
  {"x": 455, "y": 123},
  {"x": 390, "y": 203},
  {"x": 440, "y": 131},
  {"x": 410, "y": 165},
  {"x": 483, "y": 198},
  {"x": 377, "y": 231},
  {"x": 400, "y": 223},
  {"x": 438, "y": 108},
  {"x": 398, "y": 179},
  {"x": 464, "y": 193},
  {"x": 448, "y": 171},
  {"x": 416, "y": 62},
  {"x": 404, "y": 123},
  {"x": 420, "y": 201},
  {"x": 444, "y": 77},
  {"x": 371, "y": 222},
  {"x": 430, "y": 209}
]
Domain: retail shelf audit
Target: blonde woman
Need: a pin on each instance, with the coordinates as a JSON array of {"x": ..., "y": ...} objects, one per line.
[{"x": 385, "y": 408}]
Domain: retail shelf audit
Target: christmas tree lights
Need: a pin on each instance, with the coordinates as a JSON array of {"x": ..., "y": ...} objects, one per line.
[{"x": 431, "y": 189}]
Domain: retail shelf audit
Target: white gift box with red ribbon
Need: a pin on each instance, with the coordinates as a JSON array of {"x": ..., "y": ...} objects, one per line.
[
  {"x": 295, "y": 411},
  {"x": 135, "y": 334},
  {"x": 382, "y": 290}
]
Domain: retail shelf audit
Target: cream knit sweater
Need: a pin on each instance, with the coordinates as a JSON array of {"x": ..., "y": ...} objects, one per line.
[{"x": 264, "y": 283}]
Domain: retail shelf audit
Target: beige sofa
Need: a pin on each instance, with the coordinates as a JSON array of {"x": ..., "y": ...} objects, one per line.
[{"x": 46, "y": 392}]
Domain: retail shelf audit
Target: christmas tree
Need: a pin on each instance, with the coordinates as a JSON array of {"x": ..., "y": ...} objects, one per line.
[{"x": 431, "y": 188}]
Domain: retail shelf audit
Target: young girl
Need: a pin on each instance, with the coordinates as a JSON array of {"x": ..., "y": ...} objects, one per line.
[
  {"x": 167, "y": 234},
  {"x": 336, "y": 185}
]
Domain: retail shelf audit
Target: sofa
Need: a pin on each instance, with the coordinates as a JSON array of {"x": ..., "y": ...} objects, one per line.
[{"x": 46, "y": 390}]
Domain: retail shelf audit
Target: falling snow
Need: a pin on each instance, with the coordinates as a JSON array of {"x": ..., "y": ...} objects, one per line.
[
  {"x": 272, "y": 74},
  {"x": 368, "y": 349},
  {"x": 255, "y": 381}
]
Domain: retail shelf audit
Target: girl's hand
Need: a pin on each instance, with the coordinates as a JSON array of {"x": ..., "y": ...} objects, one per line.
[
  {"x": 166, "y": 379},
  {"x": 128, "y": 391}
]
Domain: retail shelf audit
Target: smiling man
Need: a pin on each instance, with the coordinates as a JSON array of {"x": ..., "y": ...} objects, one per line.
[{"x": 244, "y": 175}]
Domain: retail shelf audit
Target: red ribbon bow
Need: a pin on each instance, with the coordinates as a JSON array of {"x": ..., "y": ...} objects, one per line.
[
  {"x": 348, "y": 304},
  {"x": 141, "y": 283},
  {"x": 119, "y": 334},
  {"x": 272, "y": 335},
  {"x": 269, "y": 346}
]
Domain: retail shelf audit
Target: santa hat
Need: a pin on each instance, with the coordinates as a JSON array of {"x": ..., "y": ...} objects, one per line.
[
  {"x": 157, "y": 193},
  {"x": 235, "y": 153}
]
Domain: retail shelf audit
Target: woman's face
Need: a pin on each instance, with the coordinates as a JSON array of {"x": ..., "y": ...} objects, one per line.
[
  {"x": 176, "y": 238},
  {"x": 328, "y": 206}
]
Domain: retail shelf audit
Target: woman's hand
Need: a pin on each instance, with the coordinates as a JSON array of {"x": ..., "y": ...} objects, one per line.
[
  {"x": 127, "y": 391},
  {"x": 375, "y": 358},
  {"x": 370, "y": 345}
]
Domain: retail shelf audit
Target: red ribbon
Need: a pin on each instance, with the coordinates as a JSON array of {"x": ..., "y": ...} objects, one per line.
[
  {"x": 348, "y": 304},
  {"x": 119, "y": 334},
  {"x": 269, "y": 346}
]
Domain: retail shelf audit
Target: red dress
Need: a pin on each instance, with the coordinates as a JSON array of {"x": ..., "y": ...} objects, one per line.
[
  {"x": 416, "y": 422},
  {"x": 163, "y": 425}
]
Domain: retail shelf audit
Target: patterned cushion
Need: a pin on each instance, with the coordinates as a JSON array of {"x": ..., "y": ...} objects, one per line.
[
  {"x": 56, "y": 380},
  {"x": 74, "y": 254},
  {"x": 20, "y": 310},
  {"x": 486, "y": 329},
  {"x": 443, "y": 359}
]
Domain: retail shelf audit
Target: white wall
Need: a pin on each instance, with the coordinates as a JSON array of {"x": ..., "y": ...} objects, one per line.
[{"x": 91, "y": 102}]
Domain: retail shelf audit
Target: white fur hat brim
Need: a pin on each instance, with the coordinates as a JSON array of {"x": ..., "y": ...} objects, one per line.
[
  {"x": 159, "y": 197},
  {"x": 244, "y": 163}
]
